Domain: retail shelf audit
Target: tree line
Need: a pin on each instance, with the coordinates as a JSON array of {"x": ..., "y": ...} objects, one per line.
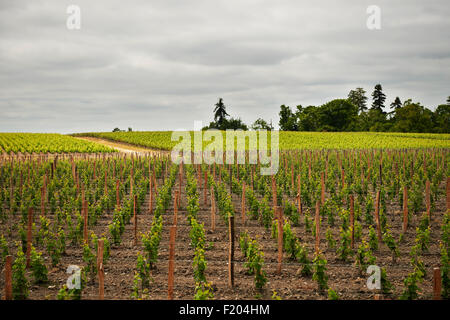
[
  {"x": 353, "y": 114},
  {"x": 222, "y": 123}
]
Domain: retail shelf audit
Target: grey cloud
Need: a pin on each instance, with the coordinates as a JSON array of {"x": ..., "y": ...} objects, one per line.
[{"x": 160, "y": 65}]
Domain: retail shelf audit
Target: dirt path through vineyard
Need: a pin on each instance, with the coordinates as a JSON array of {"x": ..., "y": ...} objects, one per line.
[{"x": 124, "y": 147}]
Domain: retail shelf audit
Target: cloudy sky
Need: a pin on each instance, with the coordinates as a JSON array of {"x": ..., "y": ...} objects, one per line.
[{"x": 162, "y": 64}]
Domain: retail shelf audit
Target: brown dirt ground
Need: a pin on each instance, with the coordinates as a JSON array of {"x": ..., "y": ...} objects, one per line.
[{"x": 343, "y": 277}]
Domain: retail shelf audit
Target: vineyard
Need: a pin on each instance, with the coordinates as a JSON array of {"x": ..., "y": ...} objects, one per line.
[
  {"x": 47, "y": 143},
  {"x": 296, "y": 140},
  {"x": 141, "y": 227}
]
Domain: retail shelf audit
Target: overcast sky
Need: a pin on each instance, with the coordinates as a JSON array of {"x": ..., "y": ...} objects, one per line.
[{"x": 162, "y": 64}]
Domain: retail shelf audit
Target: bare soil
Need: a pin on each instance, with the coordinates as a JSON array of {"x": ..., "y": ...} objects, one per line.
[{"x": 344, "y": 277}]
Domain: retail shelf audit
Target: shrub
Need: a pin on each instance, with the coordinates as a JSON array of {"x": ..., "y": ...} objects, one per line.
[
  {"x": 254, "y": 260},
  {"x": 143, "y": 271},
  {"x": 411, "y": 288},
  {"x": 20, "y": 284},
  {"x": 390, "y": 242},
  {"x": 364, "y": 257},
  {"x": 197, "y": 234},
  {"x": 203, "y": 291},
  {"x": 344, "y": 250},
  {"x": 319, "y": 275},
  {"x": 330, "y": 240},
  {"x": 90, "y": 259},
  {"x": 4, "y": 249},
  {"x": 151, "y": 241},
  {"x": 302, "y": 258},
  {"x": 423, "y": 238},
  {"x": 373, "y": 239},
  {"x": 53, "y": 248},
  {"x": 386, "y": 285},
  {"x": 332, "y": 295},
  {"x": 445, "y": 271},
  {"x": 199, "y": 265},
  {"x": 38, "y": 267}
]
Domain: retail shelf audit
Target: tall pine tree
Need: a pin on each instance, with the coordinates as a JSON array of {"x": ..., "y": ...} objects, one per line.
[{"x": 378, "y": 98}]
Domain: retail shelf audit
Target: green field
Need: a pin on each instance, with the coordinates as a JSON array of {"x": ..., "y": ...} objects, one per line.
[
  {"x": 299, "y": 140},
  {"x": 47, "y": 143},
  {"x": 58, "y": 143}
]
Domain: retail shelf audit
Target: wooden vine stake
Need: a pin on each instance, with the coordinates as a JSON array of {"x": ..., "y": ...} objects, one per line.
[
  {"x": 213, "y": 210},
  {"x": 381, "y": 173},
  {"x": 85, "y": 225},
  {"x": 377, "y": 216},
  {"x": 317, "y": 220},
  {"x": 29, "y": 235},
  {"x": 155, "y": 185},
  {"x": 101, "y": 271},
  {"x": 150, "y": 206},
  {"x": 448, "y": 193},
  {"x": 135, "y": 219},
  {"x": 180, "y": 178},
  {"x": 243, "y": 204},
  {"x": 292, "y": 176},
  {"x": 299, "y": 189},
  {"x": 231, "y": 251},
  {"x": 352, "y": 220},
  {"x": 117, "y": 194},
  {"x": 322, "y": 193},
  {"x": 280, "y": 239},
  {"x": 251, "y": 177},
  {"x": 428, "y": 199},
  {"x": 131, "y": 181},
  {"x": 175, "y": 209},
  {"x": 173, "y": 232},
  {"x": 205, "y": 187},
  {"x": 274, "y": 193},
  {"x": 405, "y": 209},
  {"x": 8, "y": 278},
  {"x": 437, "y": 283},
  {"x": 106, "y": 182},
  {"x": 42, "y": 201}
]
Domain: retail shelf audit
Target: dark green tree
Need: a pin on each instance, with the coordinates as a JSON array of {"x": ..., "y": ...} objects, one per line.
[
  {"x": 231, "y": 123},
  {"x": 234, "y": 123},
  {"x": 358, "y": 98},
  {"x": 378, "y": 98},
  {"x": 396, "y": 104},
  {"x": 441, "y": 119},
  {"x": 338, "y": 115},
  {"x": 363, "y": 121},
  {"x": 308, "y": 118},
  {"x": 261, "y": 124},
  {"x": 288, "y": 119},
  {"x": 413, "y": 118},
  {"x": 220, "y": 112}
]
